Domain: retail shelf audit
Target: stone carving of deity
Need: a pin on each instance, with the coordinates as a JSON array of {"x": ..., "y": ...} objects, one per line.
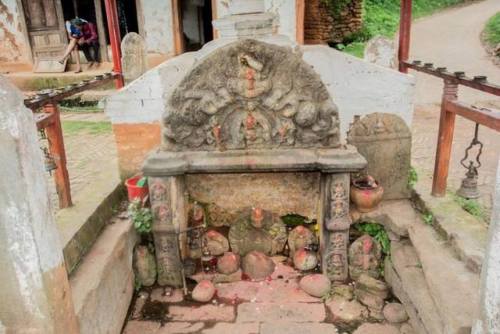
[
  {"x": 257, "y": 230},
  {"x": 365, "y": 257}
]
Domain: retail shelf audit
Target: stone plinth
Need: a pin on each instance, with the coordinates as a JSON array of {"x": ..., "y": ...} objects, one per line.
[{"x": 237, "y": 7}]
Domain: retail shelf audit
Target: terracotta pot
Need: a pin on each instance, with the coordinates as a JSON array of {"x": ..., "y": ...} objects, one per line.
[{"x": 366, "y": 199}]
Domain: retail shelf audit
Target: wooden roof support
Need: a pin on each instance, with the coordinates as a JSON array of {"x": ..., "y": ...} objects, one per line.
[
  {"x": 404, "y": 34},
  {"x": 115, "y": 39}
]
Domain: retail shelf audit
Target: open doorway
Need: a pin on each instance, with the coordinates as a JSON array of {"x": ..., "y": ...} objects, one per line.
[{"x": 196, "y": 23}]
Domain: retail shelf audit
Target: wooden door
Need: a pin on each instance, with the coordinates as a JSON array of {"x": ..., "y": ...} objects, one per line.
[{"x": 46, "y": 28}]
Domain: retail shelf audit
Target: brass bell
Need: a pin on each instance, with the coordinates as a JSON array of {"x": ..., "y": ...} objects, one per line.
[{"x": 468, "y": 189}]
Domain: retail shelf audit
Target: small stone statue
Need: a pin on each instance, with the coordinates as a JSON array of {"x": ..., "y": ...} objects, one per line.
[
  {"x": 257, "y": 230},
  {"x": 364, "y": 257},
  {"x": 300, "y": 237}
]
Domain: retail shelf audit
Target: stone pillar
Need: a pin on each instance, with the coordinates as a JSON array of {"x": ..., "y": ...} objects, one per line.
[
  {"x": 168, "y": 203},
  {"x": 134, "y": 59},
  {"x": 489, "y": 318},
  {"x": 34, "y": 291},
  {"x": 336, "y": 224}
]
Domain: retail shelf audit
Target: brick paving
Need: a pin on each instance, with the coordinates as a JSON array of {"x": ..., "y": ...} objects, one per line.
[{"x": 87, "y": 155}]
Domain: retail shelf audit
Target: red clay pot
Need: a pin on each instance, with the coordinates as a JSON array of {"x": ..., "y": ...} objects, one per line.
[{"x": 366, "y": 198}]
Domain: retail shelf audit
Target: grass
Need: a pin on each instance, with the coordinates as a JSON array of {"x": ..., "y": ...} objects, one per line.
[
  {"x": 381, "y": 17},
  {"x": 492, "y": 30},
  {"x": 71, "y": 128},
  {"x": 471, "y": 206}
]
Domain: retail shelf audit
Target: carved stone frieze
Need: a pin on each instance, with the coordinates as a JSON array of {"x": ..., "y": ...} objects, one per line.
[
  {"x": 336, "y": 229},
  {"x": 250, "y": 94},
  {"x": 164, "y": 232}
]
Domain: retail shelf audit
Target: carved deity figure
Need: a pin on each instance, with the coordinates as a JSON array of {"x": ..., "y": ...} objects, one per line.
[
  {"x": 365, "y": 257},
  {"x": 257, "y": 230}
]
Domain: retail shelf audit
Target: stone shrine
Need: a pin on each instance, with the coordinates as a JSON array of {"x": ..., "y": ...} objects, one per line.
[{"x": 251, "y": 107}]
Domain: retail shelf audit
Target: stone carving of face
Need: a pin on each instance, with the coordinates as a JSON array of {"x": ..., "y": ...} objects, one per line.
[{"x": 257, "y": 217}]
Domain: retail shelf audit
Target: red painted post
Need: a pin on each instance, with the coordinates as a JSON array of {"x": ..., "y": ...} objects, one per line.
[
  {"x": 445, "y": 139},
  {"x": 115, "y": 39},
  {"x": 56, "y": 149},
  {"x": 404, "y": 34}
]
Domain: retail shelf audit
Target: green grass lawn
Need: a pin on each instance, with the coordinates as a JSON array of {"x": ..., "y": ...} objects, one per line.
[
  {"x": 72, "y": 128},
  {"x": 381, "y": 17},
  {"x": 492, "y": 30}
]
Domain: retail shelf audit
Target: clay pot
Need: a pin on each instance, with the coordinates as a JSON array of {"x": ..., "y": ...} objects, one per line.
[{"x": 366, "y": 195}]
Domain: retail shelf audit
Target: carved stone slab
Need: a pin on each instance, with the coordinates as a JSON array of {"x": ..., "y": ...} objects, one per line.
[
  {"x": 250, "y": 94},
  {"x": 385, "y": 141},
  {"x": 165, "y": 233},
  {"x": 335, "y": 232}
]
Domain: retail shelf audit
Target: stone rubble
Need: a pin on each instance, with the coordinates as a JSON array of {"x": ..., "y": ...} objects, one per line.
[
  {"x": 257, "y": 265},
  {"x": 203, "y": 292},
  {"x": 317, "y": 285}
]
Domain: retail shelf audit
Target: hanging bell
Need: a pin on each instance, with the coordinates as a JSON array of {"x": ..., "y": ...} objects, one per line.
[
  {"x": 50, "y": 163},
  {"x": 468, "y": 189}
]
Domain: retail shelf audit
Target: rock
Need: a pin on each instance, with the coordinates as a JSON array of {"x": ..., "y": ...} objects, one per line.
[
  {"x": 370, "y": 300},
  {"x": 376, "y": 329},
  {"x": 381, "y": 51},
  {"x": 228, "y": 264},
  {"x": 365, "y": 256},
  {"x": 300, "y": 237},
  {"x": 223, "y": 278},
  {"x": 343, "y": 291},
  {"x": 144, "y": 266},
  {"x": 406, "y": 329},
  {"x": 395, "y": 313},
  {"x": 305, "y": 260},
  {"x": 346, "y": 312},
  {"x": 317, "y": 285},
  {"x": 216, "y": 243},
  {"x": 257, "y": 265},
  {"x": 203, "y": 292},
  {"x": 373, "y": 286}
]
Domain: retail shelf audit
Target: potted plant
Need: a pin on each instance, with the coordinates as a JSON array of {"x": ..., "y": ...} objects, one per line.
[
  {"x": 366, "y": 193},
  {"x": 137, "y": 187},
  {"x": 144, "y": 260}
]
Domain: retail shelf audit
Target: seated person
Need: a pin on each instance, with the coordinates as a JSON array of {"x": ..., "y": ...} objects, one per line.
[
  {"x": 75, "y": 34},
  {"x": 89, "y": 43}
]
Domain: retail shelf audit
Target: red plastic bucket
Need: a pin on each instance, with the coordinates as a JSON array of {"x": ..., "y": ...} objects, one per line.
[{"x": 135, "y": 191}]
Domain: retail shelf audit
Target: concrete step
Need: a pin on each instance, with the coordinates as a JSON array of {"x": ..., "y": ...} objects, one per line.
[
  {"x": 453, "y": 287},
  {"x": 466, "y": 234},
  {"x": 103, "y": 284},
  {"x": 403, "y": 272}
]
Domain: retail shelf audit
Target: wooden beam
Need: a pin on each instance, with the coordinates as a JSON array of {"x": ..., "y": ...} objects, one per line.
[
  {"x": 444, "y": 142},
  {"x": 300, "y": 10},
  {"x": 214, "y": 17},
  {"x": 58, "y": 152},
  {"x": 101, "y": 31},
  {"x": 483, "y": 116},
  {"x": 177, "y": 27},
  {"x": 404, "y": 34},
  {"x": 43, "y": 120}
]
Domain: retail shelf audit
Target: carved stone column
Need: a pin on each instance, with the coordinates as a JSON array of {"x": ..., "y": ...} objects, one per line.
[
  {"x": 335, "y": 230},
  {"x": 169, "y": 217}
]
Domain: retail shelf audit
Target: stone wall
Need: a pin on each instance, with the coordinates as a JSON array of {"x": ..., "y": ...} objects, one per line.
[
  {"x": 357, "y": 87},
  {"x": 13, "y": 44},
  {"x": 320, "y": 27}
]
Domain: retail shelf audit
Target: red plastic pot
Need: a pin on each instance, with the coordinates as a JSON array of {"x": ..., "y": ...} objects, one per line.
[{"x": 135, "y": 191}]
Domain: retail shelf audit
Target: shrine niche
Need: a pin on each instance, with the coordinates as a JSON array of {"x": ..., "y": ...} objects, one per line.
[{"x": 257, "y": 113}]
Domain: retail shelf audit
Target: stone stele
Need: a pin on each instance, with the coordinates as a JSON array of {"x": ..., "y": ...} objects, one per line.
[
  {"x": 385, "y": 141},
  {"x": 134, "y": 60},
  {"x": 364, "y": 257}
]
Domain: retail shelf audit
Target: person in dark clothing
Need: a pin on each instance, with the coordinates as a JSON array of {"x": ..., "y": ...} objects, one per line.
[{"x": 89, "y": 43}]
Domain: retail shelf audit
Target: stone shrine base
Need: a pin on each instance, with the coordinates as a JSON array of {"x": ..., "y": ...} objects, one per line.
[{"x": 274, "y": 306}]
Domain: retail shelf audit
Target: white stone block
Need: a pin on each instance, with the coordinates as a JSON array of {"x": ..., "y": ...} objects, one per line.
[{"x": 237, "y": 7}]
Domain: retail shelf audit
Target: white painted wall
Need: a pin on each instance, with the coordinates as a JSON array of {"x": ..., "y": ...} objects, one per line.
[
  {"x": 158, "y": 28},
  {"x": 14, "y": 46},
  {"x": 284, "y": 9},
  {"x": 357, "y": 87}
]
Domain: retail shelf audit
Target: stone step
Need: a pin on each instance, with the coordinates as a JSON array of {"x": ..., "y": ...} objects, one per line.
[
  {"x": 403, "y": 272},
  {"x": 466, "y": 234},
  {"x": 454, "y": 288},
  {"x": 104, "y": 280}
]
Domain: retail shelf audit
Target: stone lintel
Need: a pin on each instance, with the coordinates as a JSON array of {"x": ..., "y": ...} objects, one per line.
[{"x": 243, "y": 161}]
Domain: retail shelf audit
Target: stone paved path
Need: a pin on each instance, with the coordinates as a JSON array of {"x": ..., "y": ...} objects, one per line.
[
  {"x": 87, "y": 154},
  {"x": 276, "y": 306},
  {"x": 452, "y": 38}
]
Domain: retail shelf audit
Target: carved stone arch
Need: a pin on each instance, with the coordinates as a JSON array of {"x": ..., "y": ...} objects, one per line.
[{"x": 250, "y": 94}]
